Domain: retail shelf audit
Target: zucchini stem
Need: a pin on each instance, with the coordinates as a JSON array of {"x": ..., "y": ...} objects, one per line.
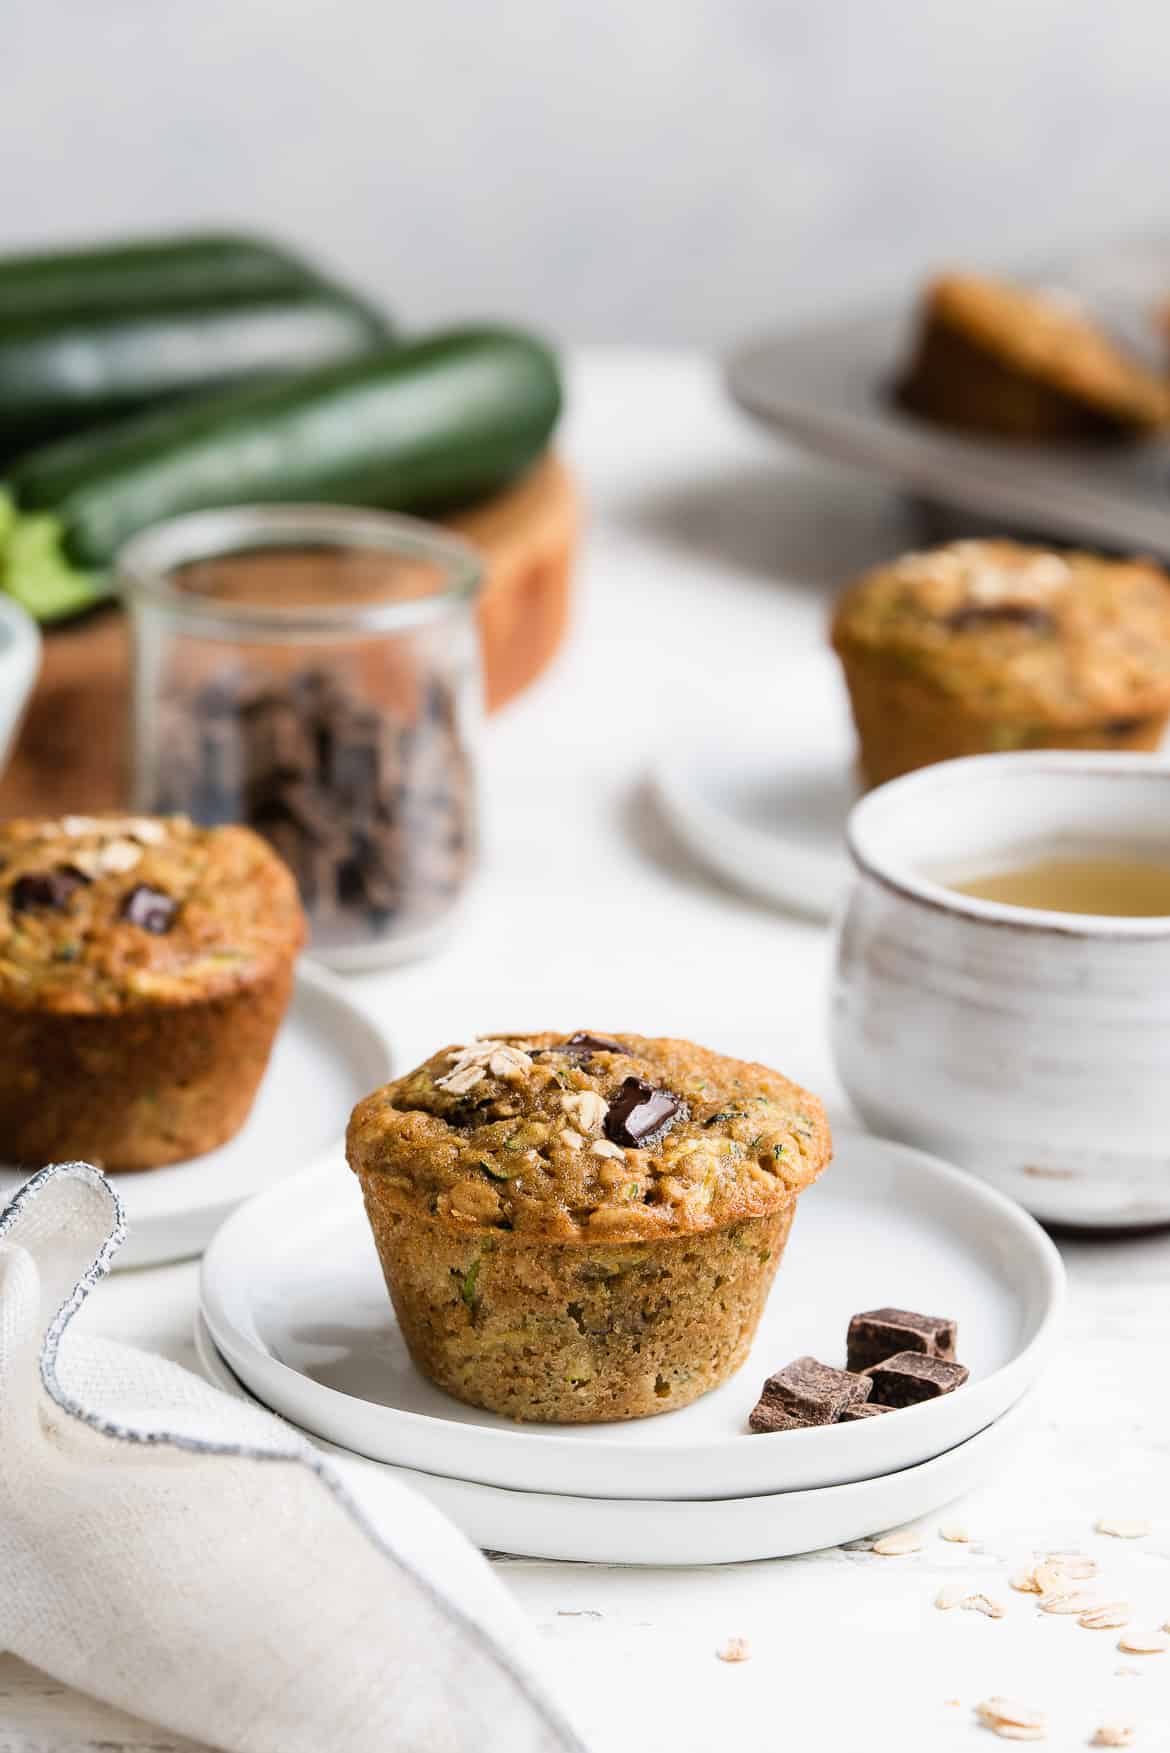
[{"x": 34, "y": 567}]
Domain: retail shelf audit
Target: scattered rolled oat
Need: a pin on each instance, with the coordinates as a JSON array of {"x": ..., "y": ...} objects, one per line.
[
  {"x": 1144, "y": 1643},
  {"x": 1114, "y": 1735},
  {"x": 949, "y": 1597},
  {"x": 1110, "y": 1616},
  {"x": 1127, "y": 1673},
  {"x": 1072, "y": 1564},
  {"x": 985, "y": 1605},
  {"x": 1025, "y": 1582},
  {"x": 895, "y": 1545},
  {"x": 736, "y": 1649},
  {"x": 1012, "y": 1721},
  {"x": 1072, "y": 1604},
  {"x": 1123, "y": 1528},
  {"x": 956, "y": 1535}
]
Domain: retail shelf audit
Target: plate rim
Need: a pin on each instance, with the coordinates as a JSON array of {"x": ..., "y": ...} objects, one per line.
[
  {"x": 666, "y": 1533},
  {"x": 245, "y": 1354}
]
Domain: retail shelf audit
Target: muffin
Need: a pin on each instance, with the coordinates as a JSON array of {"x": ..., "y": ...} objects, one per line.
[
  {"x": 982, "y": 646},
  {"x": 1016, "y": 363},
  {"x": 578, "y": 1228},
  {"x": 145, "y": 965}
]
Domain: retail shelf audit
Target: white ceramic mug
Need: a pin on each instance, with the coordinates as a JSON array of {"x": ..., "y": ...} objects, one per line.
[
  {"x": 20, "y": 659},
  {"x": 1030, "y": 1047}
]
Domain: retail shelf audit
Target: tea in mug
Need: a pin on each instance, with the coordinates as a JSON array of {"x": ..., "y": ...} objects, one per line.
[{"x": 1118, "y": 888}]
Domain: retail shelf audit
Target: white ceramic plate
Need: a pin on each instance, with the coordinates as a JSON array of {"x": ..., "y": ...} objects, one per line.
[
  {"x": 604, "y": 1530},
  {"x": 827, "y": 385},
  {"x": 327, "y": 1056},
  {"x": 762, "y": 798},
  {"x": 293, "y": 1295}
]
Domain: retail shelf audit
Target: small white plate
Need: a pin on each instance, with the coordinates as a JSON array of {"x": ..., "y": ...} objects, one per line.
[
  {"x": 293, "y": 1295},
  {"x": 762, "y": 799},
  {"x": 328, "y": 1055},
  {"x": 655, "y": 1531}
]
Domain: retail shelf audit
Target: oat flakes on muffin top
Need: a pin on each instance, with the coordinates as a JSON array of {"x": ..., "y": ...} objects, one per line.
[
  {"x": 590, "y": 1136},
  {"x": 113, "y": 912},
  {"x": 1010, "y": 629}
]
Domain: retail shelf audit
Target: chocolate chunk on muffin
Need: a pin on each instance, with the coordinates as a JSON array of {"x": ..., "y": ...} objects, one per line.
[
  {"x": 145, "y": 966},
  {"x": 983, "y": 646},
  {"x": 1012, "y": 362},
  {"x": 583, "y": 1227}
]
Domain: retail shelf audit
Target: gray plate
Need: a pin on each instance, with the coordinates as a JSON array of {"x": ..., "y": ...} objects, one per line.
[{"x": 827, "y": 386}]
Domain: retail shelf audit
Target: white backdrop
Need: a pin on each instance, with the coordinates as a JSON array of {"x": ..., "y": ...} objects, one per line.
[{"x": 631, "y": 169}]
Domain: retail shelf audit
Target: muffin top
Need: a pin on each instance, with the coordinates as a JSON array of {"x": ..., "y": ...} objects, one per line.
[
  {"x": 108, "y": 913},
  {"x": 1053, "y": 340},
  {"x": 589, "y": 1137},
  {"x": 1011, "y": 631}
]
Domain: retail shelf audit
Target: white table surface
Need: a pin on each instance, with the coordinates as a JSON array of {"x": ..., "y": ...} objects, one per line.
[{"x": 712, "y": 555}]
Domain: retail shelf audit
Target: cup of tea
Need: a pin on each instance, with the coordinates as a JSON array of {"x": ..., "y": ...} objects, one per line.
[{"x": 1002, "y": 985}]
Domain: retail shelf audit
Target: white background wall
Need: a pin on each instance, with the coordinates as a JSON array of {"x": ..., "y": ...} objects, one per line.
[{"x": 645, "y": 169}]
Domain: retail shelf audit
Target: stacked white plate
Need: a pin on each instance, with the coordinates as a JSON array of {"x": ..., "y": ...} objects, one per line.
[{"x": 294, "y": 1315}]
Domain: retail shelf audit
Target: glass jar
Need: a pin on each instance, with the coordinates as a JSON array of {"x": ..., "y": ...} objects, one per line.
[{"x": 313, "y": 671}]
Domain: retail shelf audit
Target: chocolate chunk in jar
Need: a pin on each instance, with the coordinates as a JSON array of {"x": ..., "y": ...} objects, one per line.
[
  {"x": 909, "y": 1378},
  {"x": 813, "y": 1392},
  {"x": 876, "y": 1334},
  {"x": 639, "y": 1116},
  {"x": 370, "y": 805},
  {"x": 867, "y": 1409},
  {"x": 150, "y": 909},
  {"x": 48, "y": 889}
]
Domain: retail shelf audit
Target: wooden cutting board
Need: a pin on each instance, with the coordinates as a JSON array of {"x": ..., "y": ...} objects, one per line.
[{"x": 73, "y": 749}]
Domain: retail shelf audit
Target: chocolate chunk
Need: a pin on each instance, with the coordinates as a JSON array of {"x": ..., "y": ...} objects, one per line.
[
  {"x": 640, "y": 1115},
  {"x": 880, "y": 1333},
  {"x": 867, "y": 1409},
  {"x": 766, "y": 1416},
  {"x": 1003, "y": 615},
  {"x": 46, "y": 888},
  {"x": 813, "y": 1392},
  {"x": 585, "y": 1044},
  {"x": 149, "y": 908},
  {"x": 909, "y": 1377}
]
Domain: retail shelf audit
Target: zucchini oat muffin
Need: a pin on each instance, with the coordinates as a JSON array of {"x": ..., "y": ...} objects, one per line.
[
  {"x": 983, "y": 646},
  {"x": 145, "y": 965},
  {"x": 1008, "y": 361},
  {"x": 583, "y": 1228}
]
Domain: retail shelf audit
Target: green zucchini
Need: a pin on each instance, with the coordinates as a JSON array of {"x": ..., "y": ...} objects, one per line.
[
  {"x": 424, "y": 426},
  {"x": 60, "y": 374},
  {"x": 139, "y": 273}
]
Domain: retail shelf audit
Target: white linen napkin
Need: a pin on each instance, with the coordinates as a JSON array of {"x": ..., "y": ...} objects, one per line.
[{"x": 192, "y": 1559}]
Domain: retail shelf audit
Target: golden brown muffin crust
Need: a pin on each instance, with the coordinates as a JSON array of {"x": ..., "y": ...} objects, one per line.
[
  {"x": 1050, "y": 339},
  {"x": 1008, "y": 632},
  {"x": 106, "y": 914},
  {"x": 532, "y": 1134}
]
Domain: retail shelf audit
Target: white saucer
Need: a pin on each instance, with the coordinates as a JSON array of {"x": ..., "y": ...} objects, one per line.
[
  {"x": 603, "y": 1530},
  {"x": 328, "y": 1055},
  {"x": 761, "y": 796},
  {"x": 293, "y": 1295}
]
